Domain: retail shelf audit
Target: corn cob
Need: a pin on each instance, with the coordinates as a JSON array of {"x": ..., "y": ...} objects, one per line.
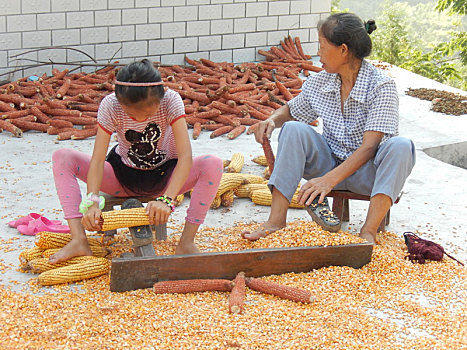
[
  {"x": 97, "y": 250},
  {"x": 266, "y": 173},
  {"x": 268, "y": 153},
  {"x": 285, "y": 292},
  {"x": 244, "y": 191},
  {"x": 48, "y": 240},
  {"x": 236, "y": 163},
  {"x": 114, "y": 219},
  {"x": 216, "y": 203},
  {"x": 178, "y": 200},
  {"x": 75, "y": 272},
  {"x": 40, "y": 265},
  {"x": 29, "y": 254},
  {"x": 229, "y": 181},
  {"x": 264, "y": 197},
  {"x": 225, "y": 162},
  {"x": 227, "y": 198},
  {"x": 237, "y": 295},
  {"x": 261, "y": 160},
  {"x": 253, "y": 179},
  {"x": 192, "y": 286}
]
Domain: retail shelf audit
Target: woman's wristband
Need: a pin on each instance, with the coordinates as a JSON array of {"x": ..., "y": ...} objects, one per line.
[
  {"x": 89, "y": 201},
  {"x": 167, "y": 200}
]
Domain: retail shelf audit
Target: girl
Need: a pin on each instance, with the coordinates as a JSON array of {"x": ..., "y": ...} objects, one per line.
[{"x": 153, "y": 157}]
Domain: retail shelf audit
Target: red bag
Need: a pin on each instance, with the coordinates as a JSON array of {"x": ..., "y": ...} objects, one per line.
[{"x": 420, "y": 249}]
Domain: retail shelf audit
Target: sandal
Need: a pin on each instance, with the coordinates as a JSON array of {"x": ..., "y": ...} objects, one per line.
[{"x": 323, "y": 216}]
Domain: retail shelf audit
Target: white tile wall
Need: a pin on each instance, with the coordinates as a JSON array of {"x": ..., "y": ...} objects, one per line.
[
  {"x": 2, "y": 24},
  {"x": 221, "y": 30},
  {"x": 50, "y": 21},
  {"x": 65, "y": 5},
  {"x": 9, "y": 7},
  {"x": 35, "y": 6},
  {"x": 21, "y": 23},
  {"x": 66, "y": 37}
]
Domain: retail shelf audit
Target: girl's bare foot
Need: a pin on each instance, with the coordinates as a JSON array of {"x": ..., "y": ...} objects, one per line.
[
  {"x": 186, "y": 248},
  {"x": 262, "y": 231},
  {"x": 76, "y": 247},
  {"x": 370, "y": 237}
]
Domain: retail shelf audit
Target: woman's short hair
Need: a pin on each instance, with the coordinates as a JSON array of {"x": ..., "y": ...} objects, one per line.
[
  {"x": 138, "y": 72},
  {"x": 347, "y": 28}
]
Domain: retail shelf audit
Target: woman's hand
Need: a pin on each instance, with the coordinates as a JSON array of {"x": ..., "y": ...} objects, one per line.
[
  {"x": 91, "y": 219},
  {"x": 158, "y": 212},
  {"x": 264, "y": 127},
  {"x": 313, "y": 188}
]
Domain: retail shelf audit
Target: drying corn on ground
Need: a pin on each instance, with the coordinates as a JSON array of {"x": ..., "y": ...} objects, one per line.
[{"x": 388, "y": 304}]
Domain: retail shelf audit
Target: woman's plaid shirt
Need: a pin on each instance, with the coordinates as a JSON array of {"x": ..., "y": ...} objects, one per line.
[{"x": 373, "y": 105}]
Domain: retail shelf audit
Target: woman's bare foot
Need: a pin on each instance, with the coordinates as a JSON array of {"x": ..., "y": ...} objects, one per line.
[
  {"x": 262, "y": 231},
  {"x": 186, "y": 248},
  {"x": 370, "y": 237},
  {"x": 76, "y": 247}
]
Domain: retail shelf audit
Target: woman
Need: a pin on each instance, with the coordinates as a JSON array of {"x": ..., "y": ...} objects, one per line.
[{"x": 359, "y": 149}]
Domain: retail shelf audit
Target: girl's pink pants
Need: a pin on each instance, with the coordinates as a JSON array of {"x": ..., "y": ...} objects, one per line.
[{"x": 70, "y": 165}]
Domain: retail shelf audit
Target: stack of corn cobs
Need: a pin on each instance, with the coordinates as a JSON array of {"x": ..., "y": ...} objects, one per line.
[
  {"x": 219, "y": 97},
  {"x": 36, "y": 260},
  {"x": 237, "y": 289}
]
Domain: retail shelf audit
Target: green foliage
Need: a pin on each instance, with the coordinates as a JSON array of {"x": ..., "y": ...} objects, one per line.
[
  {"x": 439, "y": 53},
  {"x": 453, "y": 6},
  {"x": 391, "y": 38}
]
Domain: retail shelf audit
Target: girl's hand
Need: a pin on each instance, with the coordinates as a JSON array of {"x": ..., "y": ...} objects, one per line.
[
  {"x": 265, "y": 127},
  {"x": 313, "y": 188},
  {"x": 91, "y": 219},
  {"x": 158, "y": 212}
]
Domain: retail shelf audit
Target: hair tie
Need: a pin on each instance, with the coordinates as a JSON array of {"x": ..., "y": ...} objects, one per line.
[
  {"x": 367, "y": 26},
  {"x": 125, "y": 83}
]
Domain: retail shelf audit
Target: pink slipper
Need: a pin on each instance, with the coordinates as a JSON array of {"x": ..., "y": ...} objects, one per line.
[
  {"x": 31, "y": 216},
  {"x": 41, "y": 224}
]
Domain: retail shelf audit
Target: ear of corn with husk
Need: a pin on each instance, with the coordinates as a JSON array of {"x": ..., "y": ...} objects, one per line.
[{"x": 75, "y": 272}]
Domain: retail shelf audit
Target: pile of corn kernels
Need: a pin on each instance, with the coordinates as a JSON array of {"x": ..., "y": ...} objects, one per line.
[{"x": 390, "y": 303}]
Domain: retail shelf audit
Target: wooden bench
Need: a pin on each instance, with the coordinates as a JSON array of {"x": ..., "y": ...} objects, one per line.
[
  {"x": 341, "y": 208},
  {"x": 111, "y": 201}
]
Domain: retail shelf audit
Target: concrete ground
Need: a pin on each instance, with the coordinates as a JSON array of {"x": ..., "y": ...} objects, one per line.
[{"x": 434, "y": 202}]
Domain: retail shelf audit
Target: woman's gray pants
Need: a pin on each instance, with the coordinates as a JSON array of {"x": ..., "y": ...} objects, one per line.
[{"x": 303, "y": 153}]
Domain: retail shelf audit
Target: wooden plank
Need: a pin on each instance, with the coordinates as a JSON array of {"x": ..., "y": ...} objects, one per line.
[{"x": 143, "y": 272}]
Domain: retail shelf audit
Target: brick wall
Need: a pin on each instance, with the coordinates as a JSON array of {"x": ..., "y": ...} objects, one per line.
[{"x": 162, "y": 30}]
